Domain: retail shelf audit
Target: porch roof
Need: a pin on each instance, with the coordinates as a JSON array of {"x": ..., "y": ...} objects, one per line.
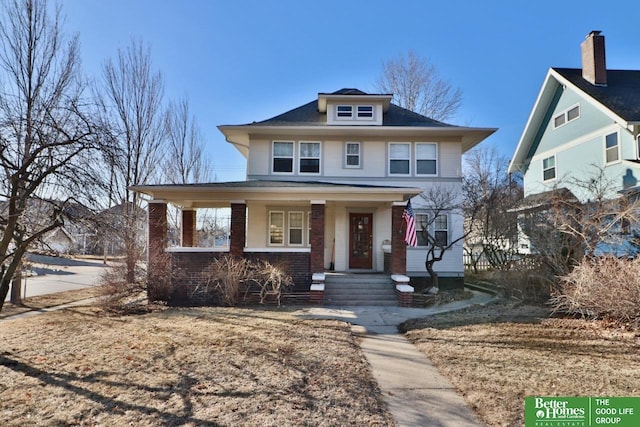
[{"x": 221, "y": 194}]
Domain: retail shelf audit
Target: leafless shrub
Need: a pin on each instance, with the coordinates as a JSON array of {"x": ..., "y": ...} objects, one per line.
[
  {"x": 236, "y": 279},
  {"x": 604, "y": 287},
  {"x": 117, "y": 294},
  {"x": 530, "y": 286}
]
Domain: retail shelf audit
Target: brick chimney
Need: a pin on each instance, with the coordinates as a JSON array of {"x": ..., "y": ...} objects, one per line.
[{"x": 594, "y": 64}]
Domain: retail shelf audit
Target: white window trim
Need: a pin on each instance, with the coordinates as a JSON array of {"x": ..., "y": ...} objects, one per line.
[
  {"x": 555, "y": 168},
  {"x": 297, "y": 164},
  {"x": 565, "y": 114},
  {"x": 344, "y": 117},
  {"x": 284, "y": 227},
  {"x": 416, "y": 158},
  {"x": 273, "y": 156},
  {"x": 309, "y": 228},
  {"x": 618, "y": 144},
  {"x": 389, "y": 158},
  {"x": 289, "y": 228},
  {"x": 346, "y": 155},
  {"x": 442, "y": 229},
  {"x": 373, "y": 112},
  {"x": 638, "y": 147}
]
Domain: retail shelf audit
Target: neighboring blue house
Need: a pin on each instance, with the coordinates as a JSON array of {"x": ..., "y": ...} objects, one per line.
[{"x": 583, "y": 120}]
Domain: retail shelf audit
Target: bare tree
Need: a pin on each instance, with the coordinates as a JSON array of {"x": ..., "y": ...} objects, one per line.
[
  {"x": 490, "y": 194},
  {"x": 417, "y": 86},
  {"x": 132, "y": 99},
  {"x": 46, "y": 139},
  {"x": 442, "y": 206}
]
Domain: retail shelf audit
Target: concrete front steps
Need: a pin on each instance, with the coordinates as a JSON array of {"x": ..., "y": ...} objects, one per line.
[{"x": 359, "y": 289}]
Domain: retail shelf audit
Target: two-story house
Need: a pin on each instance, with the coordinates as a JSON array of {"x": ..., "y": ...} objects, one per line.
[
  {"x": 582, "y": 119},
  {"x": 327, "y": 183}
]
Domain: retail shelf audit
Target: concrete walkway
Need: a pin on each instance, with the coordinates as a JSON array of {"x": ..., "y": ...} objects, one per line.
[{"x": 413, "y": 389}]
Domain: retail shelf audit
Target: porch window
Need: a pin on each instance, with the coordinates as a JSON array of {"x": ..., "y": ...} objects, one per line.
[
  {"x": 309, "y": 228},
  {"x": 296, "y": 226},
  {"x": 426, "y": 158},
  {"x": 352, "y": 153},
  {"x": 276, "y": 227},
  {"x": 399, "y": 158},
  {"x": 549, "y": 168},
  {"x": 441, "y": 230},
  {"x": 283, "y": 157},
  {"x": 422, "y": 224},
  {"x": 612, "y": 148},
  {"x": 309, "y": 157}
]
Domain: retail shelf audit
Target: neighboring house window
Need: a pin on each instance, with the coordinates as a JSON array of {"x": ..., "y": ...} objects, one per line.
[
  {"x": 566, "y": 116},
  {"x": 612, "y": 148},
  {"x": 344, "y": 112},
  {"x": 296, "y": 227},
  {"x": 276, "y": 228},
  {"x": 352, "y": 154},
  {"x": 283, "y": 157},
  {"x": 309, "y": 157},
  {"x": 365, "y": 112},
  {"x": 426, "y": 159},
  {"x": 549, "y": 168},
  {"x": 399, "y": 158},
  {"x": 441, "y": 230}
]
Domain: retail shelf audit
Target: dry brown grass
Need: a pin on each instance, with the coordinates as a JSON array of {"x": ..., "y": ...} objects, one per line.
[
  {"x": 40, "y": 302},
  {"x": 499, "y": 354},
  {"x": 191, "y": 367}
]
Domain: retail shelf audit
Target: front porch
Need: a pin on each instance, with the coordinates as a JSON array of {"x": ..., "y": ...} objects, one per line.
[{"x": 358, "y": 230}]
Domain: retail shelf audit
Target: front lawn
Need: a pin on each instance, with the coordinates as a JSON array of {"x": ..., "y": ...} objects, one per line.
[
  {"x": 188, "y": 367},
  {"x": 499, "y": 354}
]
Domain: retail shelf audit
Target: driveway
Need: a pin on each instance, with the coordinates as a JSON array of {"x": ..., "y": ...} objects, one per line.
[{"x": 53, "y": 274}]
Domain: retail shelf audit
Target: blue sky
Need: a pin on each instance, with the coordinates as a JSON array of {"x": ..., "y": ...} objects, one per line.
[{"x": 239, "y": 61}]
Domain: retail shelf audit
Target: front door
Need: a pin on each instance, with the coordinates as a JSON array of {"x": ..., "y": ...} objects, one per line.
[{"x": 360, "y": 240}]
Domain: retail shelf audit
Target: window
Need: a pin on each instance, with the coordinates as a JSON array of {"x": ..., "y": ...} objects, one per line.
[
  {"x": 365, "y": 112},
  {"x": 612, "y": 152},
  {"x": 399, "y": 159},
  {"x": 309, "y": 228},
  {"x": 441, "y": 230},
  {"x": 566, "y": 116},
  {"x": 422, "y": 224},
  {"x": 282, "y": 157},
  {"x": 352, "y": 155},
  {"x": 296, "y": 226},
  {"x": 309, "y": 157},
  {"x": 549, "y": 168},
  {"x": 344, "y": 112},
  {"x": 426, "y": 159},
  {"x": 276, "y": 228}
]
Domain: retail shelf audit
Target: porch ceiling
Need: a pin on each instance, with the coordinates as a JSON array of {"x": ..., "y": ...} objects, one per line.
[{"x": 216, "y": 195}]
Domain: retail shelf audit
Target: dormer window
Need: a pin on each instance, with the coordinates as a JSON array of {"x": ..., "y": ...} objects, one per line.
[
  {"x": 365, "y": 112},
  {"x": 344, "y": 112}
]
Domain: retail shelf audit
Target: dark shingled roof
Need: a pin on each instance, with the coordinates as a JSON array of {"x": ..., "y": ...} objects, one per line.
[
  {"x": 308, "y": 115},
  {"x": 621, "y": 94}
]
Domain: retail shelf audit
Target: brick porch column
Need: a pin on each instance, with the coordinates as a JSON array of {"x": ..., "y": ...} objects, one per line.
[
  {"x": 317, "y": 236},
  {"x": 158, "y": 267},
  {"x": 398, "y": 245},
  {"x": 189, "y": 237},
  {"x": 238, "y": 228}
]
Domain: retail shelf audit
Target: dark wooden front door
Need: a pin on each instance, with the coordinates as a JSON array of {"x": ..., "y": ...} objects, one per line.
[{"x": 360, "y": 240}]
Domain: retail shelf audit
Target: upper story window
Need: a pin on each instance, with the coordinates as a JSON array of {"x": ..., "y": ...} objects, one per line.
[
  {"x": 399, "y": 158},
  {"x": 283, "y": 157},
  {"x": 612, "y": 148},
  {"x": 566, "y": 116},
  {"x": 352, "y": 155},
  {"x": 365, "y": 112},
  {"x": 426, "y": 158},
  {"x": 344, "y": 112},
  {"x": 309, "y": 157},
  {"x": 549, "y": 168}
]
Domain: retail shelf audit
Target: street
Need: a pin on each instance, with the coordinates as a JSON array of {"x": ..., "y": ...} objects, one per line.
[{"x": 55, "y": 274}]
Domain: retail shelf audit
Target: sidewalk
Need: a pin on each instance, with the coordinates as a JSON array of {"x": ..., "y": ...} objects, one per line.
[{"x": 413, "y": 389}]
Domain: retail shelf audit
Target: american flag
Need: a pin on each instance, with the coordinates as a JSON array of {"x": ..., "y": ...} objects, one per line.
[{"x": 410, "y": 231}]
